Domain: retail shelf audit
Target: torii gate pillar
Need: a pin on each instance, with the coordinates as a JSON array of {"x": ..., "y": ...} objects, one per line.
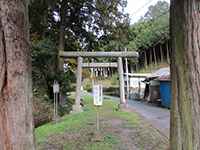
[
  {"x": 77, "y": 107},
  {"x": 121, "y": 83}
]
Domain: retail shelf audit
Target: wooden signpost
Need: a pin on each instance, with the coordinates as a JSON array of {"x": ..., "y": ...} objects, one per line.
[{"x": 97, "y": 101}]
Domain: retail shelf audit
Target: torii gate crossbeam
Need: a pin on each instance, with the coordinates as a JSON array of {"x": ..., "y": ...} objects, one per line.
[{"x": 99, "y": 54}]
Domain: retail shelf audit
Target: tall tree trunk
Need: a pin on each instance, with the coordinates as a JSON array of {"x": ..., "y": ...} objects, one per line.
[
  {"x": 161, "y": 54},
  {"x": 150, "y": 59},
  {"x": 16, "y": 121},
  {"x": 136, "y": 67},
  {"x": 61, "y": 44},
  {"x": 185, "y": 69},
  {"x": 154, "y": 54},
  {"x": 167, "y": 48},
  {"x": 145, "y": 59}
]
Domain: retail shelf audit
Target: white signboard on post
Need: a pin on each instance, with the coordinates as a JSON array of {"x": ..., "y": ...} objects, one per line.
[
  {"x": 98, "y": 95},
  {"x": 55, "y": 87}
]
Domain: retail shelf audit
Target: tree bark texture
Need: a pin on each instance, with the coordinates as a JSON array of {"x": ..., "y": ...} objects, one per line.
[
  {"x": 185, "y": 70},
  {"x": 150, "y": 58},
  {"x": 61, "y": 46},
  {"x": 168, "y": 56},
  {"x": 16, "y": 121},
  {"x": 145, "y": 59},
  {"x": 62, "y": 34},
  {"x": 154, "y": 54},
  {"x": 161, "y": 54}
]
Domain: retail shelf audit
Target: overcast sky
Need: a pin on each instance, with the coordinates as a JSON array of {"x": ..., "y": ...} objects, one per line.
[{"x": 137, "y": 8}]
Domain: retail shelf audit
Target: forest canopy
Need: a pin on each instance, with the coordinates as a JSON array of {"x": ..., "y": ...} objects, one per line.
[{"x": 151, "y": 29}]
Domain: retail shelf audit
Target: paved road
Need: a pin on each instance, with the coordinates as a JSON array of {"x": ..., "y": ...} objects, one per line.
[{"x": 159, "y": 117}]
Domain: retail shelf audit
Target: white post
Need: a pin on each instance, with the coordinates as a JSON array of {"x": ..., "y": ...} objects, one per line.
[
  {"x": 56, "y": 92},
  {"x": 54, "y": 106}
]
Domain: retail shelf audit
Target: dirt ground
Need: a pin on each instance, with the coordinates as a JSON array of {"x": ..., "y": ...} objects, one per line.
[
  {"x": 119, "y": 130},
  {"x": 139, "y": 137}
]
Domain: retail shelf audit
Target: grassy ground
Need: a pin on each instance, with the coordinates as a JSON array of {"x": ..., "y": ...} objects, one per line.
[{"x": 118, "y": 131}]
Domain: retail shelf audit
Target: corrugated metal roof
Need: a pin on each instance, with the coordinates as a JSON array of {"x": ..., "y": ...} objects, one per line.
[
  {"x": 161, "y": 74},
  {"x": 142, "y": 75}
]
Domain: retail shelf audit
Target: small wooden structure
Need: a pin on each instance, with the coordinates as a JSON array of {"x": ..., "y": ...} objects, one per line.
[{"x": 119, "y": 64}]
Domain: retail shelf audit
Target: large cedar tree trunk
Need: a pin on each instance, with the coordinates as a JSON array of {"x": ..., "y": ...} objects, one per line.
[
  {"x": 61, "y": 46},
  {"x": 16, "y": 122},
  {"x": 185, "y": 69},
  {"x": 168, "y": 56},
  {"x": 161, "y": 54},
  {"x": 154, "y": 55},
  {"x": 145, "y": 59}
]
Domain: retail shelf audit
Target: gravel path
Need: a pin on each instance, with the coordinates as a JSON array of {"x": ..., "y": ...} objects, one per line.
[{"x": 159, "y": 117}]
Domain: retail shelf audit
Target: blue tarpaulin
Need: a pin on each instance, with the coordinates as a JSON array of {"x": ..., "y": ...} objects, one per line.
[{"x": 165, "y": 92}]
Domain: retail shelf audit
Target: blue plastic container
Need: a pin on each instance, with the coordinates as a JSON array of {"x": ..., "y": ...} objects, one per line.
[{"x": 165, "y": 92}]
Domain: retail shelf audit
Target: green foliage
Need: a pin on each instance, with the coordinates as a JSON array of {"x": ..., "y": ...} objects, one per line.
[
  {"x": 151, "y": 29},
  {"x": 44, "y": 62},
  {"x": 86, "y": 24},
  {"x": 42, "y": 108},
  {"x": 115, "y": 79},
  {"x": 87, "y": 85},
  {"x": 81, "y": 25}
]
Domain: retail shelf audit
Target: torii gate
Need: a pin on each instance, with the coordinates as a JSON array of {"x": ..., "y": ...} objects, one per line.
[{"x": 119, "y": 64}]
